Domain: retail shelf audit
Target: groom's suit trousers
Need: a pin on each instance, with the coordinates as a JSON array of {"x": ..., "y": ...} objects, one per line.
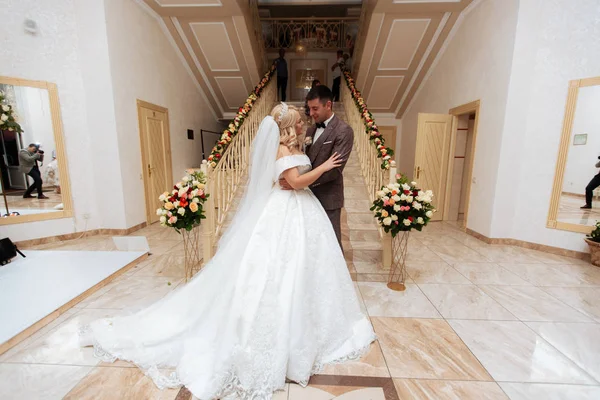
[{"x": 335, "y": 216}]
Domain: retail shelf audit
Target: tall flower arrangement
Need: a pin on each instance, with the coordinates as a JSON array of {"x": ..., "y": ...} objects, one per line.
[
  {"x": 402, "y": 206},
  {"x": 383, "y": 152},
  {"x": 235, "y": 124},
  {"x": 7, "y": 119},
  {"x": 182, "y": 208}
]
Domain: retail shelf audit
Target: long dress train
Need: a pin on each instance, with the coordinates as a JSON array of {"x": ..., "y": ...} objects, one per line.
[{"x": 284, "y": 308}]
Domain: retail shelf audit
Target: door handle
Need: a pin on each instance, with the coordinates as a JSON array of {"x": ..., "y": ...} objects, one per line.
[
  {"x": 419, "y": 170},
  {"x": 150, "y": 170}
]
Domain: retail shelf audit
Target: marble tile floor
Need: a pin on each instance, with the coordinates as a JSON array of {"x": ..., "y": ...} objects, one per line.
[{"x": 476, "y": 321}]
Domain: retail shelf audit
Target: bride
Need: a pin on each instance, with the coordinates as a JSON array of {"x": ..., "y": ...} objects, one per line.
[{"x": 276, "y": 300}]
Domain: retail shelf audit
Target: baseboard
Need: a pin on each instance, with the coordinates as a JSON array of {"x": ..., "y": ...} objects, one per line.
[
  {"x": 529, "y": 245},
  {"x": 77, "y": 235},
  {"x": 582, "y": 196}
]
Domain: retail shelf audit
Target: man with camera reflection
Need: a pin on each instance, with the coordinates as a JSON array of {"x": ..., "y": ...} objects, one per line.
[
  {"x": 28, "y": 161},
  {"x": 589, "y": 190}
]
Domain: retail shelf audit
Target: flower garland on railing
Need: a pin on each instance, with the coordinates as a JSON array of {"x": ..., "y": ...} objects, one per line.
[
  {"x": 383, "y": 152},
  {"x": 243, "y": 112}
]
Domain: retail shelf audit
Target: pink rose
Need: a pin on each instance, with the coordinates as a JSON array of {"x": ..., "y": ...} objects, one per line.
[{"x": 173, "y": 219}]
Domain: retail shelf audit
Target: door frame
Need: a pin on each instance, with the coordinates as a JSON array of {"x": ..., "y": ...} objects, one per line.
[
  {"x": 469, "y": 108},
  {"x": 169, "y": 172}
]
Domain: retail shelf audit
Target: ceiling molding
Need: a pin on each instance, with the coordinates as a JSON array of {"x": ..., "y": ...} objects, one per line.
[
  {"x": 212, "y": 106},
  {"x": 391, "y": 79},
  {"x": 209, "y": 54},
  {"x": 428, "y": 68},
  {"x": 417, "y": 46},
  {"x": 184, "y": 38},
  {"x": 402, "y": 42},
  {"x": 435, "y": 39}
]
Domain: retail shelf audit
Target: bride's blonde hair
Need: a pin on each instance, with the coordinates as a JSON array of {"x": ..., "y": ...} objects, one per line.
[{"x": 286, "y": 120}]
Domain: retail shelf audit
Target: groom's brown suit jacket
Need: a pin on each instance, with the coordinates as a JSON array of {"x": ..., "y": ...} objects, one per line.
[{"x": 338, "y": 137}]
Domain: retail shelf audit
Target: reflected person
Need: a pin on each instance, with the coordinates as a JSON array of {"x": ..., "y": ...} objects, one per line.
[
  {"x": 28, "y": 162},
  {"x": 589, "y": 189}
]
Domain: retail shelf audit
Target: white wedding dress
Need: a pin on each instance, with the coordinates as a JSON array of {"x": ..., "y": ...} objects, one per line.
[{"x": 284, "y": 306}]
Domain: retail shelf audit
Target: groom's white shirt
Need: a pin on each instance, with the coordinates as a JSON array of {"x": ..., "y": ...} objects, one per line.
[{"x": 320, "y": 131}]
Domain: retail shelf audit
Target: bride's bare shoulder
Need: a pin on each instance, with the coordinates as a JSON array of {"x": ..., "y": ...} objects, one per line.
[{"x": 284, "y": 151}]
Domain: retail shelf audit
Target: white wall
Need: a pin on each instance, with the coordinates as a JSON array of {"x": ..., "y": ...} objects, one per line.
[
  {"x": 565, "y": 34},
  {"x": 582, "y": 159},
  {"x": 33, "y": 107},
  {"x": 103, "y": 55},
  {"x": 144, "y": 65},
  {"x": 476, "y": 65},
  {"x": 52, "y": 55}
]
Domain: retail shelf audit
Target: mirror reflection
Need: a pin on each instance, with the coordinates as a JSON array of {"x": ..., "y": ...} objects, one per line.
[
  {"x": 580, "y": 196},
  {"x": 29, "y": 170}
]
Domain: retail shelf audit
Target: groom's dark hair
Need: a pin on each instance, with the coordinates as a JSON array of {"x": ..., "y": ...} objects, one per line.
[{"x": 321, "y": 92}]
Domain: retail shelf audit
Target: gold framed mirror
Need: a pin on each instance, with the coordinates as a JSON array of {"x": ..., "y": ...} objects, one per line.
[
  {"x": 34, "y": 184},
  {"x": 575, "y": 202}
]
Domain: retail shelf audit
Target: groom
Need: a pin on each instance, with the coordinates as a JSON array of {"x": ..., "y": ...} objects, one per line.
[{"x": 329, "y": 135}]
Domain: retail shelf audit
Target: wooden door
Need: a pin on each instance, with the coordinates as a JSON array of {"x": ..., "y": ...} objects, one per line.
[
  {"x": 434, "y": 134},
  {"x": 389, "y": 135},
  {"x": 156, "y": 155}
]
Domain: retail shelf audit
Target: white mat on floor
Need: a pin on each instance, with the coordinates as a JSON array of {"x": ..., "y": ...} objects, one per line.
[{"x": 33, "y": 287}]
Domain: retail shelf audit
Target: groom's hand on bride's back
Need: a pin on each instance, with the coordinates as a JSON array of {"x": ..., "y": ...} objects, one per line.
[{"x": 284, "y": 184}]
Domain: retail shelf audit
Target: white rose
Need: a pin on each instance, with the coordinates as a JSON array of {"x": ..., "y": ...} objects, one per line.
[
  {"x": 385, "y": 198},
  {"x": 4, "y": 117},
  {"x": 176, "y": 204},
  {"x": 185, "y": 179},
  {"x": 420, "y": 221},
  {"x": 380, "y": 194},
  {"x": 181, "y": 211},
  {"x": 179, "y": 185},
  {"x": 386, "y": 190},
  {"x": 164, "y": 212},
  {"x": 413, "y": 183},
  {"x": 159, "y": 211},
  {"x": 387, "y": 221},
  {"x": 429, "y": 214},
  {"x": 6, "y": 108},
  {"x": 387, "y": 157},
  {"x": 195, "y": 183},
  {"x": 183, "y": 191},
  {"x": 409, "y": 199},
  {"x": 406, "y": 222},
  {"x": 403, "y": 197},
  {"x": 394, "y": 217},
  {"x": 162, "y": 197},
  {"x": 417, "y": 205},
  {"x": 200, "y": 185},
  {"x": 396, "y": 198},
  {"x": 397, "y": 208},
  {"x": 405, "y": 186},
  {"x": 174, "y": 191},
  {"x": 429, "y": 193},
  {"x": 163, "y": 219},
  {"x": 196, "y": 200},
  {"x": 1, "y": 122}
]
